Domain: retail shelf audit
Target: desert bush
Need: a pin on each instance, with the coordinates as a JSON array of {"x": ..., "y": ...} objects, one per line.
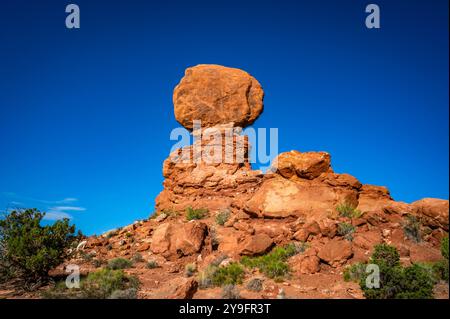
[
  {"x": 440, "y": 269},
  {"x": 101, "y": 284},
  {"x": 355, "y": 272},
  {"x": 152, "y": 264},
  {"x": 29, "y": 249},
  {"x": 444, "y": 247},
  {"x": 195, "y": 213},
  {"x": 137, "y": 258},
  {"x": 189, "y": 270},
  {"x": 205, "y": 277},
  {"x": 348, "y": 210},
  {"x": 229, "y": 275},
  {"x": 274, "y": 263},
  {"x": 104, "y": 283},
  {"x": 119, "y": 263},
  {"x": 255, "y": 284},
  {"x": 411, "y": 228},
  {"x": 385, "y": 255},
  {"x": 346, "y": 230},
  {"x": 222, "y": 217},
  {"x": 230, "y": 292},
  {"x": 397, "y": 282}
]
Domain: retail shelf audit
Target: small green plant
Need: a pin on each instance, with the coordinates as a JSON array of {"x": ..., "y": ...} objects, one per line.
[
  {"x": 205, "y": 277},
  {"x": 229, "y": 275},
  {"x": 222, "y": 217},
  {"x": 273, "y": 264},
  {"x": 255, "y": 284},
  {"x": 152, "y": 264},
  {"x": 411, "y": 228},
  {"x": 444, "y": 247},
  {"x": 348, "y": 210},
  {"x": 189, "y": 270},
  {"x": 397, "y": 282},
  {"x": 230, "y": 292},
  {"x": 346, "y": 230},
  {"x": 385, "y": 255},
  {"x": 195, "y": 213},
  {"x": 103, "y": 283},
  {"x": 440, "y": 268},
  {"x": 119, "y": 263},
  {"x": 128, "y": 235},
  {"x": 355, "y": 272},
  {"x": 137, "y": 258}
]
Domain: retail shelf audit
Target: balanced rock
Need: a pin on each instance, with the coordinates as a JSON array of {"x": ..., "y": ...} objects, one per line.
[{"x": 215, "y": 95}]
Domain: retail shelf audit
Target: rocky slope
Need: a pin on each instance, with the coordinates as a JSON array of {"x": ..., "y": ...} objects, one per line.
[{"x": 300, "y": 199}]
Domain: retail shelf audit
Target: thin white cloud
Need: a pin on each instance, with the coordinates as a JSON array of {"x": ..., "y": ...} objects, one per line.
[
  {"x": 56, "y": 215},
  {"x": 69, "y": 208}
]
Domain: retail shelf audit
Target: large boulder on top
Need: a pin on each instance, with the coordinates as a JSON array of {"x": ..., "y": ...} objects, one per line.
[{"x": 216, "y": 95}]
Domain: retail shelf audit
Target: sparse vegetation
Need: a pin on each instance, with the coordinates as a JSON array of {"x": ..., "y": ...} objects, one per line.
[
  {"x": 119, "y": 263},
  {"x": 346, "y": 230},
  {"x": 230, "y": 292},
  {"x": 189, "y": 270},
  {"x": 411, "y": 228},
  {"x": 220, "y": 276},
  {"x": 28, "y": 249},
  {"x": 195, "y": 213},
  {"x": 101, "y": 284},
  {"x": 255, "y": 284},
  {"x": 231, "y": 274},
  {"x": 137, "y": 258},
  {"x": 222, "y": 217},
  {"x": 152, "y": 264},
  {"x": 273, "y": 264},
  {"x": 348, "y": 210},
  {"x": 355, "y": 272},
  {"x": 397, "y": 282},
  {"x": 440, "y": 268}
]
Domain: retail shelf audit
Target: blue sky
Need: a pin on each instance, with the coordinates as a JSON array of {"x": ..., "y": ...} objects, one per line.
[{"x": 86, "y": 115}]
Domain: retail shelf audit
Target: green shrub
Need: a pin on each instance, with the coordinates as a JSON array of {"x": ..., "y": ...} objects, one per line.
[
  {"x": 397, "y": 282},
  {"x": 152, "y": 264},
  {"x": 229, "y": 275},
  {"x": 29, "y": 249},
  {"x": 444, "y": 247},
  {"x": 103, "y": 283},
  {"x": 355, "y": 272},
  {"x": 119, "y": 263},
  {"x": 440, "y": 269},
  {"x": 189, "y": 270},
  {"x": 348, "y": 210},
  {"x": 205, "y": 277},
  {"x": 385, "y": 255},
  {"x": 273, "y": 264},
  {"x": 230, "y": 292},
  {"x": 346, "y": 230},
  {"x": 195, "y": 213},
  {"x": 411, "y": 228},
  {"x": 222, "y": 217}
]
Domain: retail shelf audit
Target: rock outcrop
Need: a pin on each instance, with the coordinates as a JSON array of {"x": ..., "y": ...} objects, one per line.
[{"x": 296, "y": 201}]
